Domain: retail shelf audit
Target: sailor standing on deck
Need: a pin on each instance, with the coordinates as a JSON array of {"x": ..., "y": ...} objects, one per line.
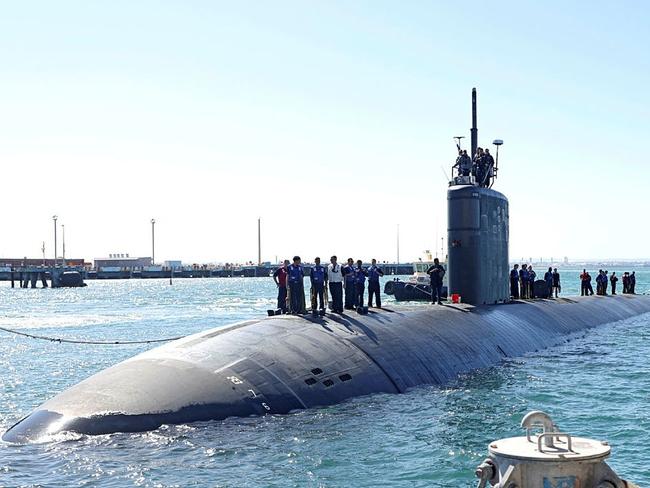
[
  {"x": 523, "y": 281},
  {"x": 531, "y": 281},
  {"x": 632, "y": 282},
  {"x": 514, "y": 282},
  {"x": 374, "y": 272},
  {"x": 296, "y": 286},
  {"x": 437, "y": 272},
  {"x": 334, "y": 278},
  {"x": 613, "y": 279},
  {"x": 350, "y": 286},
  {"x": 280, "y": 278},
  {"x": 360, "y": 274},
  {"x": 317, "y": 278},
  {"x": 556, "y": 282},
  {"x": 548, "y": 278}
]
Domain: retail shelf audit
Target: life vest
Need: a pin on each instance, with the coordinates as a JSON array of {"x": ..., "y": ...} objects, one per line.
[
  {"x": 295, "y": 273},
  {"x": 318, "y": 274},
  {"x": 373, "y": 273}
]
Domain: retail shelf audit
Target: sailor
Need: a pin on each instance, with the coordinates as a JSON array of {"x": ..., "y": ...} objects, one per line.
[
  {"x": 599, "y": 282},
  {"x": 613, "y": 279},
  {"x": 514, "y": 282},
  {"x": 349, "y": 284},
  {"x": 317, "y": 279},
  {"x": 548, "y": 278},
  {"x": 626, "y": 282},
  {"x": 360, "y": 274},
  {"x": 334, "y": 279},
  {"x": 523, "y": 281},
  {"x": 296, "y": 286},
  {"x": 465, "y": 164},
  {"x": 557, "y": 288},
  {"x": 280, "y": 278},
  {"x": 374, "y": 272},
  {"x": 489, "y": 167},
  {"x": 436, "y": 271},
  {"x": 583, "y": 282},
  {"x": 531, "y": 281},
  {"x": 478, "y": 168},
  {"x": 605, "y": 280},
  {"x": 632, "y": 282},
  {"x": 589, "y": 290}
]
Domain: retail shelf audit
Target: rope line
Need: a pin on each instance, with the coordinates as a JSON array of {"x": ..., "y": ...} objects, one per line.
[{"x": 79, "y": 341}]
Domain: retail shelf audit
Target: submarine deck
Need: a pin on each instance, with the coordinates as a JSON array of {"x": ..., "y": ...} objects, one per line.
[{"x": 282, "y": 363}]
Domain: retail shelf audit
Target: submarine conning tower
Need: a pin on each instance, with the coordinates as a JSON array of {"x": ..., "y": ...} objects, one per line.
[{"x": 477, "y": 236}]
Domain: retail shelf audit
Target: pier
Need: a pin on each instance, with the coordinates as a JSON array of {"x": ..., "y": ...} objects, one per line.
[
  {"x": 30, "y": 276},
  {"x": 50, "y": 276}
]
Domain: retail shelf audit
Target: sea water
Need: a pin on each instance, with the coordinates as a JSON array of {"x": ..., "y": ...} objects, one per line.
[{"x": 597, "y": 385}]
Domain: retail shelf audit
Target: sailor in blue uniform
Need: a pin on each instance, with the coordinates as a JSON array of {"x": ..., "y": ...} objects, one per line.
[
  {"x": 360, "y": 274},
  {"x": 296, "y": 286},
  {"x": 349, "y": 284},
  {"x": 514, "y": 282},
  {"x": 436, "y": 272},
  {"x": 317, "y": 278},
  {"x": 374, "y": 272}
]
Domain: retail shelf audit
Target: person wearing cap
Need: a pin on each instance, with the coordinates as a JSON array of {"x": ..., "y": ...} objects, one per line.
[
  {"x": 374, "y": 272},
  {"x": 280, "y": 278},
  {"x": 350, "y": 286},
  {"x": 334, "y": 278},
  {"x": 317, "y": 279},
  {"x": 296, "y": 286}
]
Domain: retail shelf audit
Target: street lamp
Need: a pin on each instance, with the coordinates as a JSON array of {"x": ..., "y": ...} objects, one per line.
[
  {"x": 63, "y": 243},
  {"x": 153, "y": 242},
  {"x": 54, "y": 218}
]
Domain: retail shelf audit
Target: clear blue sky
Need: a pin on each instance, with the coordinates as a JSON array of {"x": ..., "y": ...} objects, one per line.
[{"x": 329, "y": 120}]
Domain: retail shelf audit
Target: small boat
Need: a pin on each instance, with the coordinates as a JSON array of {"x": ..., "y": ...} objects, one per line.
[{"x": 417, "y": 287}]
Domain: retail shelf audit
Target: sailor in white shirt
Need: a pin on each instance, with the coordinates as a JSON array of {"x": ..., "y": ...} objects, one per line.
[{"x": 335, "y": 279}]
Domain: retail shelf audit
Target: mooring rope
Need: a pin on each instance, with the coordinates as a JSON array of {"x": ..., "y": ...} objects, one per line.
[{"x": 79, "y": 341}]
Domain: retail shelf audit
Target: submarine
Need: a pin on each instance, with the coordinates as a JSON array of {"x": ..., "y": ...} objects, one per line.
[{"x": 282, "y": 363}]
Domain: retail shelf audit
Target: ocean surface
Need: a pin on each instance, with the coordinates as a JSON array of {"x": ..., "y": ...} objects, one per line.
[{"x": 597, "y": 385}]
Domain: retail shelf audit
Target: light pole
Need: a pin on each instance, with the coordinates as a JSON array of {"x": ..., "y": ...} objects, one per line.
[
  {"x": 63, "y": 243},
  {"x": 54, "y": 218},
  {"x": 153, "y": 242}
]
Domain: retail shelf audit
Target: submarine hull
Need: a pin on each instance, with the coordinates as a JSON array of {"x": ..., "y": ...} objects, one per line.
[{"x": 279, "y": 364}]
